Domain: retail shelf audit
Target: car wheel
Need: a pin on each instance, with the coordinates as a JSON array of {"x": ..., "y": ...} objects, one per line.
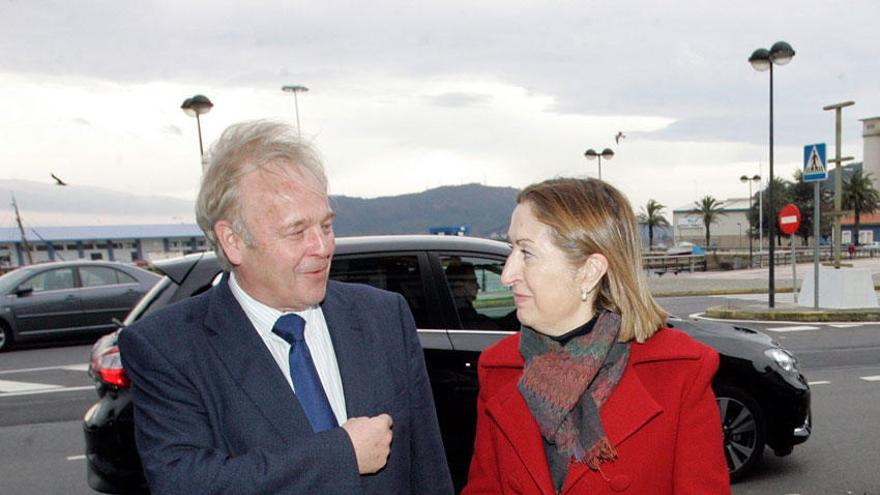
[
  {"x": 5, "y": 336},
  {"x": 744, "y": 433}
]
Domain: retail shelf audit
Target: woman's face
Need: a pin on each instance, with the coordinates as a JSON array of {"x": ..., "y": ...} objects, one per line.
[{"x": 546, "y": 288}]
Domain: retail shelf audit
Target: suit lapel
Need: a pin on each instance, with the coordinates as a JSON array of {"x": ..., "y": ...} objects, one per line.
[
  {"x": 509, "y": 410},
  {"x": 235, "y": 340},
  {"x": 353, "y": 353}
]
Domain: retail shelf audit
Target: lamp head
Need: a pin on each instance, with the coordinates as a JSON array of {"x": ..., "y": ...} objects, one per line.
[
  {"x": 781, "y": 53},
  {"x": 607, "y": 153},
  {"x": 591, "y": 154},
  {"x": 744, "y": 178},
  {"x": 760, "y": 59},
  {"x": 197, "y": 105}
]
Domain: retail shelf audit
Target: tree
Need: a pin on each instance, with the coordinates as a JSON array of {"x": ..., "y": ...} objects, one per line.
[
  {"x": 709, "y": 209},
  {"x": 781, "y": 196},
  {"x": 802, "y": 196},
  {"x": 652, "y": 216},
  {"x": 860, "y": 196}
]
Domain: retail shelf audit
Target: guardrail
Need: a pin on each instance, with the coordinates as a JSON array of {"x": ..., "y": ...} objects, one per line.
[{"x": 663, "y": 264}]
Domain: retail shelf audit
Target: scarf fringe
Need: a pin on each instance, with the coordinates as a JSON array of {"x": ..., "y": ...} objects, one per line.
[{"x": 601, "y": 452}]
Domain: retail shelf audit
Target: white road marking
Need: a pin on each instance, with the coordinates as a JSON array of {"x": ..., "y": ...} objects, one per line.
[
  {"x": 875, "y": 378},
  {"x": 47, "y": 391},
  {"x": 70, "y": 367},
  {"x": 795, "y": 328},
  {"x": 10, "y": 386},
  {"x": 76, "y": 458},
  {"x": 76, "y": 367},
  {"x": 845, "y": 325},
  {"x": 818, "y": 382}
]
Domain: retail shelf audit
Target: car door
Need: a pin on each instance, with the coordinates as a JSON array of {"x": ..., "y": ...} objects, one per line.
[
  {"x": 482, "y": 312},
  {"x": 106, "y": 293},
  {"x": 47, "y": 302}
]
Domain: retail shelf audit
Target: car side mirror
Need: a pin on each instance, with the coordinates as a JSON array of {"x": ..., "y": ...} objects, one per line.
[{"x": 24, "y": 291}]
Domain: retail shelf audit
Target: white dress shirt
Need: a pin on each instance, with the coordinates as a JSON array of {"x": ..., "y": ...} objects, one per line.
[{"x": 317, "y": 337}]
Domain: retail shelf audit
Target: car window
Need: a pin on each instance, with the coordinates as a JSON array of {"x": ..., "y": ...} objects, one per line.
[
  {"x": 95, "y": 276},
  {"x": 58, "y": 279},
  {"x": 399, "y": 273},
  {"x": 125, "y": 278},
  {"x": 481, "y": 300}
]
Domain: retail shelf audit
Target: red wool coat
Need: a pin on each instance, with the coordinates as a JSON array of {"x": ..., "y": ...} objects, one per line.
[{"x": 661, "y": 418}]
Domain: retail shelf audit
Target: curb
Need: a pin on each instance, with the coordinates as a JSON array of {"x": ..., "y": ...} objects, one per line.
[{"x": 790, "y": 314}]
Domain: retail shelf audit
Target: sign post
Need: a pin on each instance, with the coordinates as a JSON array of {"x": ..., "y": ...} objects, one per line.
[
  {"x": 789, "y": 221},
  {"x": 815, "y": 171}
]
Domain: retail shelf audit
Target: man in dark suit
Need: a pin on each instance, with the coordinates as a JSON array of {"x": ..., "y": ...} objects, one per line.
[{"x": 276, "y": 381}]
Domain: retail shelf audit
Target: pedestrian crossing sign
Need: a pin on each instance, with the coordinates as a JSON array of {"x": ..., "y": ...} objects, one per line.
[{"x": 814, "y": 163}]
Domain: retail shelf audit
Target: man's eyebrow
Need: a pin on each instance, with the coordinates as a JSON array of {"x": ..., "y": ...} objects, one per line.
[{"x": 330, "y": 217}]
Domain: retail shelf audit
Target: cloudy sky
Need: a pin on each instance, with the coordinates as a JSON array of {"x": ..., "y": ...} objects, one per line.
[{"x": 407, "y": 95}]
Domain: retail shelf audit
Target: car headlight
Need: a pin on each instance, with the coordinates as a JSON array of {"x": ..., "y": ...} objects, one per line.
[{"x": 782, "y": 358}]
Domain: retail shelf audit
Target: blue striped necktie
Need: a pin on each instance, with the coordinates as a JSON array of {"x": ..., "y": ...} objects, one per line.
[{"x": 306, "y": 383}]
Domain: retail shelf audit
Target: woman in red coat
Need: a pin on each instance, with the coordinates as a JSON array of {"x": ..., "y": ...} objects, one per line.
[{"x": 592, "y": 396}]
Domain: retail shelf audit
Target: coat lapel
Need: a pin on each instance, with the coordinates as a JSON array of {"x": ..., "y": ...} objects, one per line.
[
  {"x": 353, "y": 353},
  {"x": 627, "y": 410},
  {"x": 240, "y": 348},
  {"x": 509, "y": 410}
]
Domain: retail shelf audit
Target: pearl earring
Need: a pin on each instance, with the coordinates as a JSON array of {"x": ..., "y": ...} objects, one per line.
[{"x": 584, "y": 295}]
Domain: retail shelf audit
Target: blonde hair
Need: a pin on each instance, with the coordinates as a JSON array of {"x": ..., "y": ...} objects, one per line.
[
  {"x": 242, "y": 149},
  {"x": 588, "y": 216}
]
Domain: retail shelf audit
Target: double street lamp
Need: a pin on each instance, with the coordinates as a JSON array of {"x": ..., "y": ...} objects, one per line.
[
  {"x": 762, "y": 59},
  {"x": 607, "y": 154},
  {"x": 194, "y": 107},
  {"x": 746, "y": 178}
]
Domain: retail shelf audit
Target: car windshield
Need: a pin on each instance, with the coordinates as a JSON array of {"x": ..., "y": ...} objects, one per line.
[{"x": 10, "y": 280}]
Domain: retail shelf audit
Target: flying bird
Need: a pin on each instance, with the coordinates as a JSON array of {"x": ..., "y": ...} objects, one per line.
[
  {"x": 58, "y": 182},
  {"x": 618, "y": 137}
]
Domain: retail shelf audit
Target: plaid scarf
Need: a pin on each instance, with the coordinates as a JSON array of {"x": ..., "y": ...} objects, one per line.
[{"x": 565, "y": 385}]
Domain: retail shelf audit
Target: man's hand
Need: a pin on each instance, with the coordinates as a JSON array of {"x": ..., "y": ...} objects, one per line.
[{"x": 371, "y": 438}]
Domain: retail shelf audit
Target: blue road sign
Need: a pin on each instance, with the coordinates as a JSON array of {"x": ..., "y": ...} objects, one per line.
[{"x": 814, "y": 163}]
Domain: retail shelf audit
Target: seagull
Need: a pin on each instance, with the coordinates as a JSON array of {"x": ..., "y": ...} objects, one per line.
[
  {"x": 618, "y": 137},
  {"x": 58, "y": 182}
]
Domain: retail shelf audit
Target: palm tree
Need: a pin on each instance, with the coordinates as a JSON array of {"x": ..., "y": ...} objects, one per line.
[
  {"x": 860, "y": 196},
  {"x": 710, "y": 209},
  {"x": 652, "y": 216}
]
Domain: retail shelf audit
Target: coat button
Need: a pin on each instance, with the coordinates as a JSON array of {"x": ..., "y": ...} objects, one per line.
[{"x": 620, "y": 483}]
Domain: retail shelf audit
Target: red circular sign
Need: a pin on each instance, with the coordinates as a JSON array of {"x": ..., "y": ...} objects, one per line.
[{"x": 789, "y": 219}]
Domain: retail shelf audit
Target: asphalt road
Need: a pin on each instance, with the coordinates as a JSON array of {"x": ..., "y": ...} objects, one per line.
[{"x": 44, "y": 393}]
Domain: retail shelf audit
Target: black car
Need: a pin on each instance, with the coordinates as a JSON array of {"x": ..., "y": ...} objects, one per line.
[
  {"x": 453, "y": 287},
  {"x": 68, "y": 299}
]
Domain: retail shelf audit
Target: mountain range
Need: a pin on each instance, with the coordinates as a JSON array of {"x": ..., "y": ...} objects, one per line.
[{"x": 484, "y": 209}]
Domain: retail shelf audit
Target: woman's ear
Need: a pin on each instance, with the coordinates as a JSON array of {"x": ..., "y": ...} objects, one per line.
[{"x": 592, "y": 271}]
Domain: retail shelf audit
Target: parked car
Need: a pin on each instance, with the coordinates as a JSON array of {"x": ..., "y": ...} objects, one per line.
[
  {"x": 68, "y": 299},
  {"x": 762, "y": 396}
]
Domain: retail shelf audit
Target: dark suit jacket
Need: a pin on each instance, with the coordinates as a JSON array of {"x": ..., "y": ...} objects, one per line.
[{"x": 214, "y": 413}]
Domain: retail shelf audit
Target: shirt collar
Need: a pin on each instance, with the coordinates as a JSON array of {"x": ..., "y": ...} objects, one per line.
[{"x": 262, "y": 316}]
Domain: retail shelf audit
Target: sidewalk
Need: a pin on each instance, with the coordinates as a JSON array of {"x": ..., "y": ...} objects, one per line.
[{"x": 756, "y": 281}]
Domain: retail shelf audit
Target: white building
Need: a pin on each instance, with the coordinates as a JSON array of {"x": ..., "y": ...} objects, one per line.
[
  {"x": 125, "y": 243},
  {"x": 730, "y": 231}
]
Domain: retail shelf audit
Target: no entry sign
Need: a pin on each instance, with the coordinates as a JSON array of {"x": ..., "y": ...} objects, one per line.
[{"x": 789, "y": 219}]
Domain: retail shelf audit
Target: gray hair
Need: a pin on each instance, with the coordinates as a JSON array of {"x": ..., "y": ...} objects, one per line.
[{"x": 244, "y": 148}]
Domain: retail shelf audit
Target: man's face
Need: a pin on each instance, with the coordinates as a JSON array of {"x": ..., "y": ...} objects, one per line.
[{"x": 291, "y": 225}]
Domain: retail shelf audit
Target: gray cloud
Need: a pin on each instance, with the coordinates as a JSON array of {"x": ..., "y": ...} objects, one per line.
[{"x": 457, "y": 100}]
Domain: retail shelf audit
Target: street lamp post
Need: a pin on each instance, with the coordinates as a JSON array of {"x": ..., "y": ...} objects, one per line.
[
  {"x": 295, "y": 89},
  {"x": 194, "y": 107},
  {"x": 762, "y": 59},
  {"x": 746, "y": 178},
  {"x": 607, "y": 154}
]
